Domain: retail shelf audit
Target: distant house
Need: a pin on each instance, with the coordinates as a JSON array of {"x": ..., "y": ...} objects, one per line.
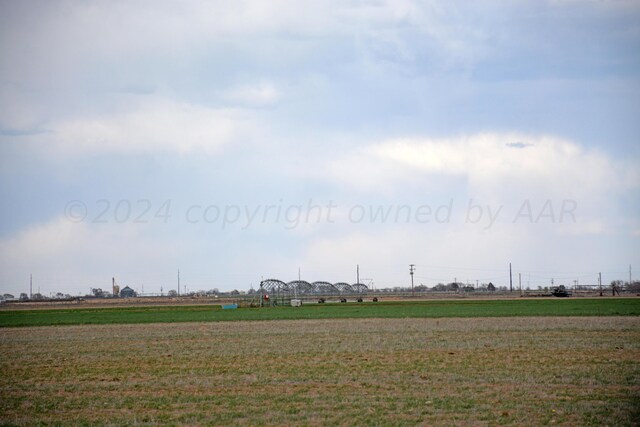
[{"x": 127, "y": 292}]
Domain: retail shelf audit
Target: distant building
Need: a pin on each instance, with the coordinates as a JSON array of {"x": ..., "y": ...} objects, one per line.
[
  {"x": 115, "y": 289},
  {"x": 127, "y": 292}
]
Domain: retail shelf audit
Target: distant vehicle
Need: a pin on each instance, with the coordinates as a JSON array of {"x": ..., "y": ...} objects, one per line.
[{"x": 560, "y": 291}]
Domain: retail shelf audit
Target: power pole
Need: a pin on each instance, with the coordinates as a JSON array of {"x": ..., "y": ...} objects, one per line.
[
  {"x": 600, "y": 282},
  {"x": 178, "y": 282},
  {"x": 520, "y": 282},
  {"x": 30, "y": 286},
  {"x": 298, "y": 274},
  {"x": 357, "y": 274},
  {"x": 411, "y": 270},
  {"x": 510, "y": 279},
  {"x": 629, "y": 274}
]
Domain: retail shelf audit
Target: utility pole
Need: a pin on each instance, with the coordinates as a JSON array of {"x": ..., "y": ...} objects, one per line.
[
  {"x": 600, "y": 282},
  {"x": 178, "y": 282},
  {"x": 30, "y": 286},
  {"x": 298, "y": 274},
  {"x": 411, "y": 270},
  {"x": 510, "y": 279},
  {"x": 520, "y": 282},
  {"x": 629, "y": 274},
  {"x": 357, "y": 274}
]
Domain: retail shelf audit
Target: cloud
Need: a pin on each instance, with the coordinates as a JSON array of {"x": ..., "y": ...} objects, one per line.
[
  {"x": 484, "y": 168},
  {"x": 153, "y": 125},
  {"x": 75, "y": 256},
  {"x": 518, "y": 145},
  {"x": 84, "y": 85},
  {"x": 551, "y": 163},
  {"x": 263, "y": 94}
]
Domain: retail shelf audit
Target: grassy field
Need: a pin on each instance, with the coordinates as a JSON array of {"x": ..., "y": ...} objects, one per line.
[
  {"x": 401, "y": 309},
  {"x": 449, "y": 371}
]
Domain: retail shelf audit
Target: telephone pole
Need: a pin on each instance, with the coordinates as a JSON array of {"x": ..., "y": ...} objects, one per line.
[
  {"x": 178, "y": 282},
  {"x": 520, "y": 282},
  {"x": 30, "y": 286},
  {"x": 411, "y": 270},
  {"x": 510, "y": 279},
  {"x": 629, "y": 274},
  {"x": 357, "y": 274},
  {"x": 600, "y": 282}
]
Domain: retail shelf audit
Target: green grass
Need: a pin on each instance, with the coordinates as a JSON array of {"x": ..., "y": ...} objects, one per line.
[{"x": 401, "y": 309}]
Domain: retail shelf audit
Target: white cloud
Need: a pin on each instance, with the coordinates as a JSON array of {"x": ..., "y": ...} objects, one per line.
[
  {"x": 154, "y": 125},
  {"x": 263, "y": 94},
  {"x": 74, "y": 256},
  {"x": 347, "y": 71},
  {"x": 491, "y": 165},
  {"x": 485, "y": 168},
  {"x": 75, "y": 37}
]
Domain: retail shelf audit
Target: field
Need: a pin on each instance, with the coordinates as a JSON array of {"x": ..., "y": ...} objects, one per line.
[
  {"x": 512, "y": 371},
  {"x": 508, "y": 362},
  {"x": 397, "y": 309}
]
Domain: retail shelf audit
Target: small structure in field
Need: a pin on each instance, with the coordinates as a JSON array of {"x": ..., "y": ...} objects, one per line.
[{"x": 127, "y": 292}]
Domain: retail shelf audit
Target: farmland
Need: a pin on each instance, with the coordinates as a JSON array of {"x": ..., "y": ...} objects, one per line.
[
  {"x": 447, "y": 362},
  {"x": 447, "y": 371},
  {"x": 397, "y": 309}
]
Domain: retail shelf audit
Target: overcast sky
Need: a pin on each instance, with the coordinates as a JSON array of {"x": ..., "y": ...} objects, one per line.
[{"x": 241, "y": 140}]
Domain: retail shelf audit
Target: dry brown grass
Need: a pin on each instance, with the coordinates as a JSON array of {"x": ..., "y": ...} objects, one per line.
[{"x": 513, "y": 371}]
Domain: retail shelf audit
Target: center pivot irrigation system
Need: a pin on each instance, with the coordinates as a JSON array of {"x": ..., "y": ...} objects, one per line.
[{"x": 274, "y": 291}]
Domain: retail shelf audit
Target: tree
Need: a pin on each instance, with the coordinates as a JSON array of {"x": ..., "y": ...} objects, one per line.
[
  {"x": 98, "y": 292},
  {"x": 634, "y": 287},
  {"x": 172, "y": 293},
  {"x": 440, "y": 287},
  {"x": 24, "y": 297},
  {"x": 491, "y": 287}
]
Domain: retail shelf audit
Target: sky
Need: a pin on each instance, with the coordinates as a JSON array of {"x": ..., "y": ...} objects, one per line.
[{"x": 237, "y": 141}]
